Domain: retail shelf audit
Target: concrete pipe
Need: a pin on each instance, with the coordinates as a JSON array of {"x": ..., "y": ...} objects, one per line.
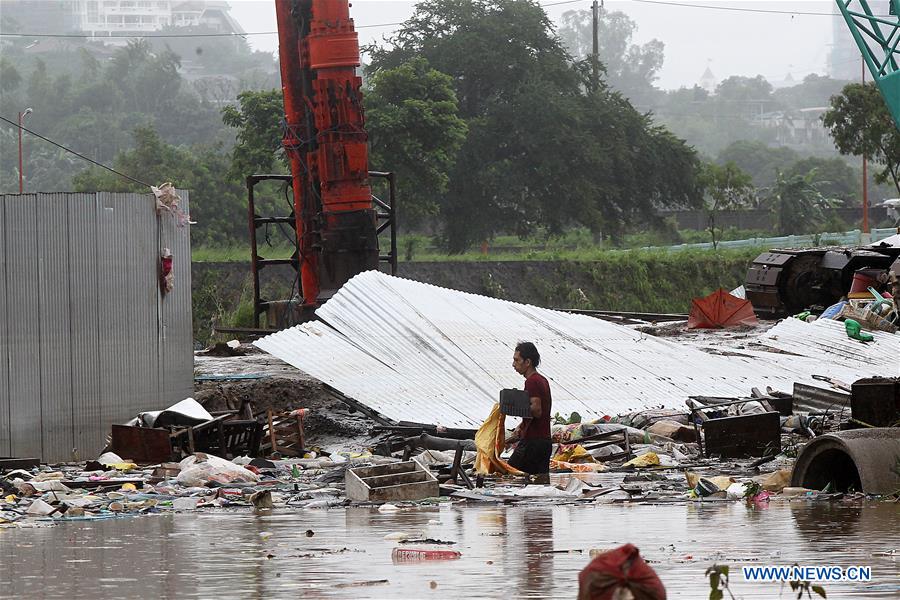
[{"x": 860, "y": 459}]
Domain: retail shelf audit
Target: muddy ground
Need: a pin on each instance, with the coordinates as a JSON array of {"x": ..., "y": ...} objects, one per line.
[{"x": 330, "y": 423}]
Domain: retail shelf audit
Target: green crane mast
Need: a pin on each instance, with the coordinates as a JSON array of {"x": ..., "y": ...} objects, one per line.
[{"x": 877, "y": 37}]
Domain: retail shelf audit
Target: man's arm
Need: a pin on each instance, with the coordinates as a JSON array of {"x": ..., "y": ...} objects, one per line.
[
  {"x": 536, "y": 412},
  {"x": 536, "y": 407}
]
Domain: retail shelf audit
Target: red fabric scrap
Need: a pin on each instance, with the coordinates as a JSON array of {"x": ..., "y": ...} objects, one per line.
[{"x": 622, "y": 568}]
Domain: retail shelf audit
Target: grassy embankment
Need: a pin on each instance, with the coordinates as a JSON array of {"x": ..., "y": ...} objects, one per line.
[{"x": 581, "y": 277}]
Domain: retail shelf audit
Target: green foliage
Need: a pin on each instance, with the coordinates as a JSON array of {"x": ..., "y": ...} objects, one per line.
[
  {"x": 752, "y": 489},
  {"x": 540, "y": 151},
  {"x": 727, "y": 188},
  {"x": 808, "y": 587},
  {"x": 10, "y": 78},
  {"x": 796, "y": 202},
  {"x": 411, "y": 244},
  {"x": 757, "y": 159},
  {"x": 414, "y": 131},
  {"x": 258, "y": 120},
  {"x": 216, "y": 203},
  {"x": 814, "y": 90},
  {"x": 833, "y": 177},
  {"x": 711, "y": 122},
  {"x": 628, "y": 68},
  {"x": 861, "y": 125},
  {"x": 90, "y": 101}
]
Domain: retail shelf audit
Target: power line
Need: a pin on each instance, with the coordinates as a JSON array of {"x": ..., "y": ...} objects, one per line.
[
  {"x": 172, "y": 35},
  {"x": 78, "y": 154},
  {"x": 750, "y": 10},
  {"x": 375, "y": 25}
]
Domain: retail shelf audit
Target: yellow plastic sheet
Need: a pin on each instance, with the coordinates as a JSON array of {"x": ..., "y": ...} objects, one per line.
[
  {"x": 574, "y": 454},
  {"x": 489, "y": 442},
  {"x": 558, "y": 465},
  {"x": 649, "y": 459},
  {"x": 720, "y": 481}
]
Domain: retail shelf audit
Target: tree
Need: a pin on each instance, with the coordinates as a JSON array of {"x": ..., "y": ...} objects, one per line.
[
  {"x": 759, "y": 160},
  {"x": 814, "y": 90},
  {"x": 860, "y": 124},
  {"x": 216, "y": 203},
  {"x": 10, "y": 79},
  {"x": 488, "y": 47},
  {"x": 541, "y": 151},
  {"x": 726, "y": 188},
  {"x": 630, "y": 68},
  {"x": 833, "y": 177},
  {"x": 415, "y": 131},
  {"x": 796, "y": 203},
  {"x": 258, "y": 120},
  {"x": 738, "y": 89}
]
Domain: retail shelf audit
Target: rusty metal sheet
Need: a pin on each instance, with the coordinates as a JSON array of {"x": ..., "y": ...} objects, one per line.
[
  {"x": 811, "y": 398},
  {"x": 141, "y": 444}
]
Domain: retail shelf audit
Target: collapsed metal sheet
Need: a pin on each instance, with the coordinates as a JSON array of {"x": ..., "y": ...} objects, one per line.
[
  {"x": 417, "y": 352},
  {"x": 826, "y": 342}
]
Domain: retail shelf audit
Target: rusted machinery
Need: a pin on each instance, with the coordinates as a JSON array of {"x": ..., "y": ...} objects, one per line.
[{"x": 784, "y": 282}]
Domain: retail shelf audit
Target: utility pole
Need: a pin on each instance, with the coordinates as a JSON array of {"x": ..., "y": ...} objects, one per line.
[
  {"x": 22, "y": 116},
  {"x": 865, "y": 178},
  {"x": 595, "y": 63}
]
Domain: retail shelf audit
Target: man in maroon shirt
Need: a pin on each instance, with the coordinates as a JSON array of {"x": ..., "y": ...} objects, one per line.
[{"x": 532, "y": 455}]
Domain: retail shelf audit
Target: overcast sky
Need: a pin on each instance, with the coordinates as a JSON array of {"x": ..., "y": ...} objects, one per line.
[{"x": 731, "y": 42}]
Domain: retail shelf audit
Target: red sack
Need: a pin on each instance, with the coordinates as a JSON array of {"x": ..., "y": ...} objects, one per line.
[{"x": 619, "y": 569}]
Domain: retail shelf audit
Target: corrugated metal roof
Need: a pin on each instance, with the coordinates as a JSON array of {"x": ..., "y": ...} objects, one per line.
[
  {"x": 86, "y": 338},
  {"x": 421, "y": 353},
  {"x": 826, "y": 341}
]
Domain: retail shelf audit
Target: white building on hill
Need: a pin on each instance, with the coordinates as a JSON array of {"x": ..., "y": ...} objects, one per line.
[{"x": 118, "y": 18}]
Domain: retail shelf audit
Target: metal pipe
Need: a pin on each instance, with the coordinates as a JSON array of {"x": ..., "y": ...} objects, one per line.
[{"x": 393, "y": 211}]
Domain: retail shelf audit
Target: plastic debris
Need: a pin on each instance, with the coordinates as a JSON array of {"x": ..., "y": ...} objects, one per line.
[
  {"x": 649, "y": 459},
  {"x": 200, "y": 469},
  {"x": 404, "y": 535},
  {"x": 416, "y": 555}
]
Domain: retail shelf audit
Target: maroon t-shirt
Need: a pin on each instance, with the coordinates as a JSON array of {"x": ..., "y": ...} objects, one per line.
[{"x": 538, "y": 386}]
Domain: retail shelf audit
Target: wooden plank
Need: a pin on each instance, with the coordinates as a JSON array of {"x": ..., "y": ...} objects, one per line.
[
  {"x": 395, "y": 479},
  {"x": 406, "y": 491}
]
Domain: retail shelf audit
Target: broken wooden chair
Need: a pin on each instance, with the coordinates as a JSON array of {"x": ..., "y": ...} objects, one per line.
[{"x": 283, "y": 434}]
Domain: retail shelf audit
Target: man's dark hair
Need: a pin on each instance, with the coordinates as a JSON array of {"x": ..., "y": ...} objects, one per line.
[{"x": 528, "y": 351}]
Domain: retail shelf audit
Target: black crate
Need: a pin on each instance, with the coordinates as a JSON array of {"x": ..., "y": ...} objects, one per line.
[
  {"x": 876, "y": 401},
  {"x": 746, "y": 435},
  {"x": 515, "y": 403}
]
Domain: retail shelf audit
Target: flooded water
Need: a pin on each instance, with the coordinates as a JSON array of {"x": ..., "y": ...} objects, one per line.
[{"x": 515, "y": 551}]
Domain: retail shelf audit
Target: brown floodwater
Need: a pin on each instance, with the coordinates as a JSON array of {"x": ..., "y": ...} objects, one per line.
[{"x": 507, "y": 551}]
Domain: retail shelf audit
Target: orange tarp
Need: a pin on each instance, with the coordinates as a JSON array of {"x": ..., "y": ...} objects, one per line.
[{"x": 720, "y": 309}]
